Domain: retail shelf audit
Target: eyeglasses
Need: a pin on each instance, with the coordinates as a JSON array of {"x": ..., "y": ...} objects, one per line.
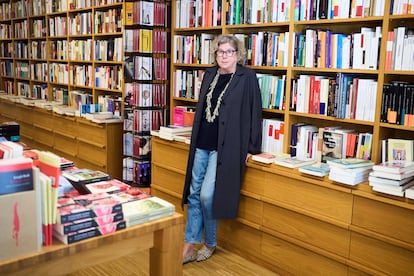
[{"x": 228, "y": 53}]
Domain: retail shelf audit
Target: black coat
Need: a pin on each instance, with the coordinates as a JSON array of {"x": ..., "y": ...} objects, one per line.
[{"x": 239, "y": 133}]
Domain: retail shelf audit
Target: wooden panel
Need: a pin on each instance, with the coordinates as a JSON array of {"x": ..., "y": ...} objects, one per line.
[
  {"x": 43, "y": 137},
  {"x": 169, "y": 155},
  {"x": 306, "y": 229},
  {"x": 297, "y": 260},
  {"x": 381, "y": 256},
  {"x": 383, "y": 218},
  {"x": 253, "y": 182},
  {"x": 65, "y": 126},
  {"x": 65, "y": 144},
  {"x": 26, "y": 131},
  {"x": 239, "y": 238},
  {"x": 8, "y": 110},
  {"x": 43, "y": 119},
  {"x": 169, "y": 181},
  {"x": 23, "y": 113},
  {"x": 91, "y": 133},
  {"x": 309, "y": 198},
  {"x": 251, "y": 210},
  {"x": 92, "y": 154}
]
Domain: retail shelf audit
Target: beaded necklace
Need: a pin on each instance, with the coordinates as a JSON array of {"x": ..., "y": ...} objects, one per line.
[{"x": 210, "y": 118}]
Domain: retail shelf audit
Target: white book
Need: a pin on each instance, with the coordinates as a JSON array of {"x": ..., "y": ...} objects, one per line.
[
  {"x": 399, "y": 32},
  {"x": 385, "y": 190}
]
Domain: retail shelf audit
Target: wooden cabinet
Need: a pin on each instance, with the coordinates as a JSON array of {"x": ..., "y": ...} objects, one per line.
[
  {"x": 298, "y": 225},
  {"x": 87, "y": 144}
]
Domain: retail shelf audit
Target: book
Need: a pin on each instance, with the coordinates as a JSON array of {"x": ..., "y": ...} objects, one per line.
[
  {"x": 393, "y": 176},
  {"x": 317, "y": 169},
  {"x": 409, "y": 193},
  {"x": 174, "y": 129},
  {"x": 400, "y": 149},
  {"x": 394, "y": 166},
  {"x": 106, "y": 186},
  {"x": 397, "y": 188},
  {"x": 80, "y": 177},
  {"x": 381, "y": 180},
  {"x": 16, "y": 175},
  {"x": 136, "y": 212},
  {"x": 263, "y": 157},
  {"x": 349, "y": 176},
  {"x": 349, "y": 163},
  {"x": 292, "y": 162}
]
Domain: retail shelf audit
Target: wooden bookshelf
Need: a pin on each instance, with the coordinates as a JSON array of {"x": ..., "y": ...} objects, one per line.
[
  {"x": 290, "y": 70},
  {"x": 290, "y": 223}
]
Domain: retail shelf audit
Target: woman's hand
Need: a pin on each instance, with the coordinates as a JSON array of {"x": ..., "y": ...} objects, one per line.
[{"x": 247, "y": 157}]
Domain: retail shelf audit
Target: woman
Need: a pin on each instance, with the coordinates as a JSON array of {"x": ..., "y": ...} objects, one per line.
[{"x": 227, "y": 129}]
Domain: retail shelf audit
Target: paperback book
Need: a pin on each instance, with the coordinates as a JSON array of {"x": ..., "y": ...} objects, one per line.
[
  {"x": 292, "y": 162},
  {"x": 395, "y": 166},
  {"x": 349, "y": 163},
  {"x": 317, "y": 169}
]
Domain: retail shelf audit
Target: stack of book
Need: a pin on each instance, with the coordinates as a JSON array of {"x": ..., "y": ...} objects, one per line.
[
  {"x": 392, "y": 177},
  {"x": 169, "y": 132},
  {"x": 90, "y": 215},
  {"x": 349, "y": 171}
]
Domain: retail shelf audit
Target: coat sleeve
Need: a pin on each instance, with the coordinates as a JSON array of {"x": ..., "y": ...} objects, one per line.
[{"x": 255, "y": 141}]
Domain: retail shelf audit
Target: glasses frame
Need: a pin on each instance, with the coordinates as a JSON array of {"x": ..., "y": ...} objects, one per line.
[{"x": 228, "y": 53}]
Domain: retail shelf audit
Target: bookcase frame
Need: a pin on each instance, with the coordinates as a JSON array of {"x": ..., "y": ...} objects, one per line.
[{"x": 379, "y": 129}]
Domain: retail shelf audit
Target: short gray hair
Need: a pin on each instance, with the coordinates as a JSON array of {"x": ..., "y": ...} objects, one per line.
[{"x": 234, "y": 42}]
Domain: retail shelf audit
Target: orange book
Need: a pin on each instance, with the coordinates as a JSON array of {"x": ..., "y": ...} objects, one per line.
[{"x": 388, "y": 51}]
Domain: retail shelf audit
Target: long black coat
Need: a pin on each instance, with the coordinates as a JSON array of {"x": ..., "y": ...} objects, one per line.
[{"x": 239, "y": 133}]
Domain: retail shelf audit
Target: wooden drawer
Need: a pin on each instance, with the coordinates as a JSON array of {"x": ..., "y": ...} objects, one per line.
[
  {"x": 295, "y": 260},
  {"x": 93, "y": 134},
  {"x": 381, "y": 256},
  {"x": 304, "y": 229},
  {"x": 168, "y": 181},
  {"x": 65, "y": 144},
  {"x": 24, "y": 113},
  {"x": 313, "y": 200},
  {"x": 43, "y": 119},
  {"x": 92, "y": 154},
  {"x": 168, "y": 155},
  {"x": 240, "y": 238},
  {"x": 43, "y": 137},
  {"x": 253, "y": 183},
  {"x": 26, "y": 131},
  {"x": 386, "y": 219},
  {"x": 65, "y": 126},
  {"x": 8, "y": 110},
  {"x": 251, "y": 210}
]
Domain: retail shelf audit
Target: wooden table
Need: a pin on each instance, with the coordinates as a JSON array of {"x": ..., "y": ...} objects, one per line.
[{"x": 163, "y": 237}]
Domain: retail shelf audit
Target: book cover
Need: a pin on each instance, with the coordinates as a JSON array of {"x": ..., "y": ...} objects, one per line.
[
  {"x": 317, "y": 169},
  {"x": 292, "y": 162},
  {"x": 350, "y": 163},
  {"x": 264, "y": 158},
  {"x": 395, "y": 166},
  {"x": 400, "y": 149},
  {"x": 16, "y": 175}
]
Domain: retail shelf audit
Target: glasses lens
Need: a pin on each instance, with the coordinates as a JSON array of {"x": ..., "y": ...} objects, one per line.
[{"x": 228, "y": 53}]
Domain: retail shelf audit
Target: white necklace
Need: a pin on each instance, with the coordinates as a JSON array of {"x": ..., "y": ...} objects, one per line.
[{"x": 210, "y": 118}]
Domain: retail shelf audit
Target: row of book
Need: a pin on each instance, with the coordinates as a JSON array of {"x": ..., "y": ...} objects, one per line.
[
  {"x": 146, "y": 68},
  {"x": 198, "y": 13},
  {"x": 142, "y": 121},
  {"x": 346, "y": 96},
  {"x": 146, "y": 13},
  {"x": 256, "y": 12},
  {"x": 400, "y": 43},
  {"x": 326, "y": 49},
  {"x": 145, "y": 40},
  {"x": 194, "y": 49},
  {"x": 331, "y": 9},
  {"x": 397, "y": 105},
  {"x": 136, "y": 172},
  {"x": 145, "y": 94},
  {"x": 266, "y": 48}
]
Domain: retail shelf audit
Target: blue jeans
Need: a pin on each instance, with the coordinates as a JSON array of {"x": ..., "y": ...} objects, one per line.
[{"x": 200, "y": 200}]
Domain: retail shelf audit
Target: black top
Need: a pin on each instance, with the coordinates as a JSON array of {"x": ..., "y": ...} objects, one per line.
[{"x": 207, "y": 136}]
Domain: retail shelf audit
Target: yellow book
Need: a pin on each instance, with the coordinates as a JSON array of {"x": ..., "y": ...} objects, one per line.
[{"x": 129, "y": 13}]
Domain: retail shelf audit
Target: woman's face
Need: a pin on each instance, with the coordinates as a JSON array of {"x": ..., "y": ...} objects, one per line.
[{"x": 226, "y": 57}]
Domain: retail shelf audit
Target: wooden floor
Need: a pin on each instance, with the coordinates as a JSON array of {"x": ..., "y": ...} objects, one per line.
[{"x": 222, "y": 263}]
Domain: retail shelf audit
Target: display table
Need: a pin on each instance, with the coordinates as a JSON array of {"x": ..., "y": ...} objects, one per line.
[{"x": 164, "y": 238}]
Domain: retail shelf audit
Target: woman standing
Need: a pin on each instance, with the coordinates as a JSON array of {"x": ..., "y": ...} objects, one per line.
[{"x": 227, "y": 129}]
